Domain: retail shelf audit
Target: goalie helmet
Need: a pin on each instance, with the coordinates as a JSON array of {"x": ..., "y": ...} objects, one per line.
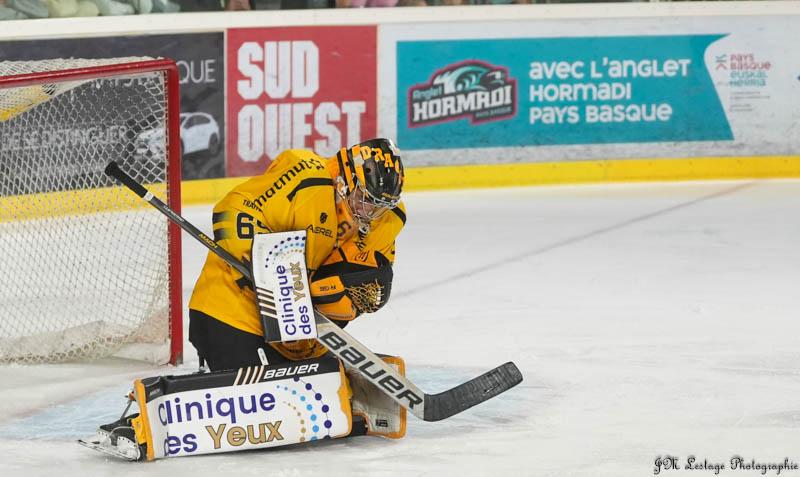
[{"x": 370, "y": 179}]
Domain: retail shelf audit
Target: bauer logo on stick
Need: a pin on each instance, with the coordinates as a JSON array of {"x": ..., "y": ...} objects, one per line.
[{"x": 280, "y": 275}]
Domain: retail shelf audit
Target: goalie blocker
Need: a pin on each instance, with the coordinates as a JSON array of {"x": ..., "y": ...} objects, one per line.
[{"x": 248, "y": 408}]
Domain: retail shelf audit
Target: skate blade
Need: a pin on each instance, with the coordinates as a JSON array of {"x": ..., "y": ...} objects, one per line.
[{"x": 104, "y": 446}]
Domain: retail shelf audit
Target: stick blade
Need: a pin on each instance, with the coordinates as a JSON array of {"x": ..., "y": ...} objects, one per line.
[{"x": 475, "y": 391}]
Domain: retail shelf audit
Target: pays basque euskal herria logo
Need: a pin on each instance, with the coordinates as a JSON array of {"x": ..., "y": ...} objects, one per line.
[{"x": 468, "y": 89}]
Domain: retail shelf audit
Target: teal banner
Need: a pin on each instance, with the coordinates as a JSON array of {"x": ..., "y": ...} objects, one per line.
[{"x": 557, "y": 91}]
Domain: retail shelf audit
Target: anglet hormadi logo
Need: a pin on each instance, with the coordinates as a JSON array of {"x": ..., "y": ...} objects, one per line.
[{"x": 469, "y": 89}]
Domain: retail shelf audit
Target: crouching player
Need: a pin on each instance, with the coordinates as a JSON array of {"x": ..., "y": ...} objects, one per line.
[{"x": 261, "y": 394}]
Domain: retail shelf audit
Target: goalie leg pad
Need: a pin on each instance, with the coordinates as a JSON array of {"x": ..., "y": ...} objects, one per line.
[
  {"x": 384, "y": 417},
  {"x": 253, "y": 407}
]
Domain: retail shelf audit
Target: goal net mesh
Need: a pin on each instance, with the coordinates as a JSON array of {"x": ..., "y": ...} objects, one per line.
[{"x": 84, "y": 265}]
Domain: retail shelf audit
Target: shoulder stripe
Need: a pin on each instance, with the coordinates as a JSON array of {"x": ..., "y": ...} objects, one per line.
[
  {"x": 400, "y": 214},
  {"x": 310, "y": 182},
  {"x": 221, "y": 234},
  {"x": 217, "y": 217}
]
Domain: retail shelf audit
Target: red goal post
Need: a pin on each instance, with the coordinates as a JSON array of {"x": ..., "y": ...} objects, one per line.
[{"x": 77, "y": 283}]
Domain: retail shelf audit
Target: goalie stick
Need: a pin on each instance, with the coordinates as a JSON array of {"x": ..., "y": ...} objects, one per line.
[{"x": 429, "y": 407}]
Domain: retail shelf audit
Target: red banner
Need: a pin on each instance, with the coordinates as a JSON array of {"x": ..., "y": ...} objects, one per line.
[{"x": 300, "y": 87}]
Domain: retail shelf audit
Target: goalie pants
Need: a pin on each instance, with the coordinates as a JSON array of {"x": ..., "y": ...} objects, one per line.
[{"x": 223, "y": 347}]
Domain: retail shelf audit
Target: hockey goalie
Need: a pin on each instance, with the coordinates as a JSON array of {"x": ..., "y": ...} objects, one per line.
[{"x": 331, "y": 225}]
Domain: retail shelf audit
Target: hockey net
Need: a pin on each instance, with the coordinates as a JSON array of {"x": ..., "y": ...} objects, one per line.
[{"x": 86, "y": 269}]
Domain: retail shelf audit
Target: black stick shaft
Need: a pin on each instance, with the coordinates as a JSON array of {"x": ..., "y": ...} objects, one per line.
[{"x": 113, "y": 170}]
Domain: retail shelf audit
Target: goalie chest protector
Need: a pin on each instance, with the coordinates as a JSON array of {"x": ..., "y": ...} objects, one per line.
[{"x": 248, "y": 408}]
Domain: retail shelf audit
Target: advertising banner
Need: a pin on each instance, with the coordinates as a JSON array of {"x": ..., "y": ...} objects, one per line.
[
  {"x": 300, "y": 87},
  {"x": 606, "y": 88},
  {"x": 200, "y": 65},
  {"x": 557, "y": 91}
]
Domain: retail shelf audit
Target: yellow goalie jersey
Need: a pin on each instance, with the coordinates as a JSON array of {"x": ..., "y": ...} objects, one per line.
[{"x": 295, "y": 193}]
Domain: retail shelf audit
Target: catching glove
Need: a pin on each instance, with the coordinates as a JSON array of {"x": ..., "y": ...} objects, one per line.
[{"x": 343, "y": 288}]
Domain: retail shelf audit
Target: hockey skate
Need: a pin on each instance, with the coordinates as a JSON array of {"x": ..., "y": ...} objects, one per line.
[{"x": 117, "y": 439}]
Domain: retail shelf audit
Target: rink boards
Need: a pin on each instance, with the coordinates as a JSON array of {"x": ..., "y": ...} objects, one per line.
[{"x": 475, "y": 96}]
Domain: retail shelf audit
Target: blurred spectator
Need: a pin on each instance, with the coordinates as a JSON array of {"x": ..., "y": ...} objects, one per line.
[
  {"x": 365, "y": 3},
  {"x": 19, "y": 9},
  {"x": 302, "y": 4},
  {"x": 199, "y": 5},
  {"x": 233, "y": 5}
]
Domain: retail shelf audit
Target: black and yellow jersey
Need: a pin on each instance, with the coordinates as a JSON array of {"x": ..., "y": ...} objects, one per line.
[{"x": 295, "y": 193}]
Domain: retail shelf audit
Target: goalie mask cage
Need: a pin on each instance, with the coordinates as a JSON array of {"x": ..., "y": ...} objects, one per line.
[{"x": 87, "y": 269}]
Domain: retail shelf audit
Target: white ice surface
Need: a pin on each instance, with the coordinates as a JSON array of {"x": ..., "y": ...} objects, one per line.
[{"x": 647, "y": 320}]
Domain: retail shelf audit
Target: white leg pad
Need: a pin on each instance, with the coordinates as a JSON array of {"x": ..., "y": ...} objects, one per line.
[
  {"x": 384, "y": 416},
  {"x": 253, "y": 407}
]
